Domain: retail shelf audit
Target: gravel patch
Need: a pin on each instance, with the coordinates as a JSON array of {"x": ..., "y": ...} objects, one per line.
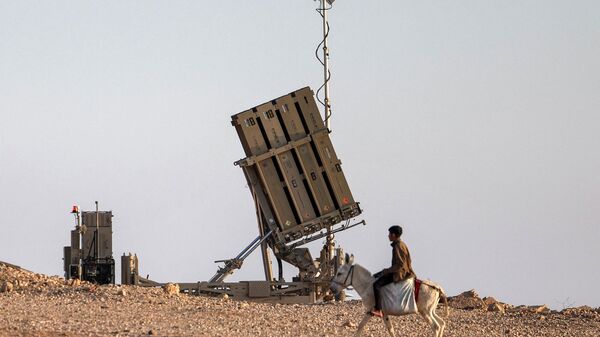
[{"x": 38, "y": 305}]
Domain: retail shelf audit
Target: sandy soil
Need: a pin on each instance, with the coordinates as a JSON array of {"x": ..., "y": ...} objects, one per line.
[{"x": 37, "y": 305}]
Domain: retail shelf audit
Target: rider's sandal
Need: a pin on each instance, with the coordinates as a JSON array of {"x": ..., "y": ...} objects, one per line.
[{"x": 376, "y": 313}]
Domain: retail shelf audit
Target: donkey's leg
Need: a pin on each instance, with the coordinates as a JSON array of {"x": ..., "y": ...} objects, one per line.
[
  {"x": 426, "y": 314},
  {"x": 362, "y": 324},
  {"x": 440, "y": 322},
  {"x": 435, "y": 316},
  {"x": 389, "y": 325},
  {"x": 426, "y": 306}
]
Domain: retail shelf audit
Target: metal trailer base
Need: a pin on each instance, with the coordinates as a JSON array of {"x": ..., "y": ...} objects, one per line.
[
  {"x": 255, "y": 291},
  {"x": 258, "y": 291}
]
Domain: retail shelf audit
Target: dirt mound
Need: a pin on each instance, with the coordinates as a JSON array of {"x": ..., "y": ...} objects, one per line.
[
  {"x": 470, "y": 300},
  {"x": 15, "y": 278}
]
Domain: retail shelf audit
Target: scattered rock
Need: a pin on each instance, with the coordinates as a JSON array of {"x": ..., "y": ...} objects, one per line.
[
  {"x": 224, "y": 296},
  {"x": 6, "y": 287},
  {"x": 349, "y": 324},
  {"x": 496, "y": 307},
  {"x": 74, "y": 282},
  {"x": 489, "y": 300},
  {"x": 583, "y": 308},
  {"x": 468, "y": 300},
  {"x": 121, "y": 292},
  {"x": 469, "y": 293},
  {"x": 539, "y": 309},
  {"x": 582, "y": 311},
  {"x": 171, "y": 288}
]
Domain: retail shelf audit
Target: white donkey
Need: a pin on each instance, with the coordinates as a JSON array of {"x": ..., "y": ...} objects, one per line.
[{"x": 362, "y": 281}]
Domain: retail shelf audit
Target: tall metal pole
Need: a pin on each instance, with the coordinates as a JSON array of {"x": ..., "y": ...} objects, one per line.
[
  {"x": 326, "y": 66},
  {"x": 330, "y": 244}
]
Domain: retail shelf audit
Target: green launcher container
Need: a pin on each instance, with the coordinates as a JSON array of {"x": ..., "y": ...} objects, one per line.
[{"x": 291, "y": 167}]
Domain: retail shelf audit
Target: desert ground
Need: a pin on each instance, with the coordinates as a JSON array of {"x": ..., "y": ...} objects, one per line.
[{"x": 38, "y": 305}]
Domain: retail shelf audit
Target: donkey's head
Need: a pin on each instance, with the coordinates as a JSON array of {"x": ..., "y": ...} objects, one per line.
[{"x": 343, "y": 277}]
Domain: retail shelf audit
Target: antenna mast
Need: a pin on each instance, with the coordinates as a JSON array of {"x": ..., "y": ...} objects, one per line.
[
  {"x": 325, "y": 61},
  {"x": 328, "y": 248}
]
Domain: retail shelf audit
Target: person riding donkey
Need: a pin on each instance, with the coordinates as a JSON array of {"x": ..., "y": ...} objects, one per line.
[{"x": 400, "y": 270}]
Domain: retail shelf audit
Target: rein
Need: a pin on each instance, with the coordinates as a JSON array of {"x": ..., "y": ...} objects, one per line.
[{"x": 350, "y": 275}]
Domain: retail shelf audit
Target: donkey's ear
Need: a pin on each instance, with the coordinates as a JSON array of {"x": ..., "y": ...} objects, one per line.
[
  {"x": 351, "y": 259},
  {"x": 347, "y": 259}
]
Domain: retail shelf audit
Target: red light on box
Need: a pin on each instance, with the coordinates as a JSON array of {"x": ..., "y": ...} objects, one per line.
[{"x": 75, "y": 209}]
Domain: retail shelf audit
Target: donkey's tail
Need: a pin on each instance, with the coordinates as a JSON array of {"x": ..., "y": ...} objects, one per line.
[{"x": 445, "y": 298}]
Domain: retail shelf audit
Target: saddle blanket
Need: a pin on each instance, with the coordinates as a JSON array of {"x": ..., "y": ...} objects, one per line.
[{"x": 399, "y": 298}]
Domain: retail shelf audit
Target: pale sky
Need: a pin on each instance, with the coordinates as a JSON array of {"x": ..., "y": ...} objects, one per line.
[{"x": 473, "y": 124}]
